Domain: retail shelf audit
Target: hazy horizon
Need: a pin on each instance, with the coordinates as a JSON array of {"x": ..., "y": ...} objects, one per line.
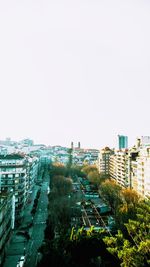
[
  {"x": 74, "y": 71},
  {"x": 75, "y": 144}
]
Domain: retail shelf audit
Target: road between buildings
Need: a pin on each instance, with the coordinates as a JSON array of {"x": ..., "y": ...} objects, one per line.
[{"x": 39, "y": 223}]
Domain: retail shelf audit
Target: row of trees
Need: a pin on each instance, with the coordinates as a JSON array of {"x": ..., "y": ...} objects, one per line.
[
  {"x": 66, "y": 246},
  {"x": 66, "y": 171},
  {"x": 122, "y": 201},
  {"x": 59, "y": 216},
  {"x": 131, "y": 244},
  {"x": 60, "y": 200},
  {"x": 35, "y": 202},
  {"x": 59, "y": 248},
  {"x": 132, "y": 247},
  {"x": 92, "y": 174}
]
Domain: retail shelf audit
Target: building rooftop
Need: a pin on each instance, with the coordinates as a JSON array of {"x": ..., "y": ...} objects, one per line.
[{"x": 12, "y": 156}]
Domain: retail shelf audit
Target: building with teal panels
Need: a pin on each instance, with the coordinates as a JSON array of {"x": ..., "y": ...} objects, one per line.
[{"x": 122, "y": 142}]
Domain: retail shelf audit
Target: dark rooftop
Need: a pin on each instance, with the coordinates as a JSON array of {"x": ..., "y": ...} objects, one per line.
[{"x": 12, "y": 156}]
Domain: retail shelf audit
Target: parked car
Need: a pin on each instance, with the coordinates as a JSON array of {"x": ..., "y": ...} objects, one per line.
[{"x": 21, "y": 261}]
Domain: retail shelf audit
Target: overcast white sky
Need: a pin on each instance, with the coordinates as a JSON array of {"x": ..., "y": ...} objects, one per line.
[{"x": 74, "y": 70}]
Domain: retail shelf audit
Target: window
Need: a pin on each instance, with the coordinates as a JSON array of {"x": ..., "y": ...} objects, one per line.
[{"x": 9, "y": 182}]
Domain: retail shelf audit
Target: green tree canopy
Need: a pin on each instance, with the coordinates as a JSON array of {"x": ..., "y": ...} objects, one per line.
[
  {"x": 61, "y": 185},
  {"x": 133, "y": 248},
  {"x": 89, "y": 168},
  {"x": 111, "y": 192},
  {"x": 94, "y": 177}
]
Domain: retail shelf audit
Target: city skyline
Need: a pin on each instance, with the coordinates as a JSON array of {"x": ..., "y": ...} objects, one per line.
[
  {"x": 121, "y": 142},
  {"x": 75, "y": 71}
]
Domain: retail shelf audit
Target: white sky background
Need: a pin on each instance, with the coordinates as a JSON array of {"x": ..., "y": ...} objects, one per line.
[{"x": 74, "y": 70}]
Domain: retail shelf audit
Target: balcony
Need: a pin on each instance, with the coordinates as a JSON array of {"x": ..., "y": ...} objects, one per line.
[{"x": 12, "y": 171}]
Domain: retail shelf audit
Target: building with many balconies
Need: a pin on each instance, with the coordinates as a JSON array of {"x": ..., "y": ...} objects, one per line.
[
  {"x": 14, "y": 177},
  {"x": 131, "y": 168},
  {"x": 141, "y": 173},
  {"x": 7, "y": 218},
  {"x": 120, "y": 167},
  {"x": 103, "y": 162}
]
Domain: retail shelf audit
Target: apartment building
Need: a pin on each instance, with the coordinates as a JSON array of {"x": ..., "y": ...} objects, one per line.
[
  {"x": 103, "y": 162},
  {"x": 18, "y": 173},
  {"x": 142, "y": 172},
  {"x": 13, "y": 177},
  {"x": 81, "y": 156},
  {"x": 131, "y": 168},
  {"x": 133, "y": 175},
  {"x": 7, "y": 218},
  {"x": 32, "y": 170},
  {"x": 119, "y": 167},
  {"x": 113, "y": 166}
]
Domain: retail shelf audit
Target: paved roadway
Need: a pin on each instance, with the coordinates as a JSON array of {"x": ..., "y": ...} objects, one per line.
[
  {"x": 39, "y": 223},
  {"x": 15, "y": 250}
]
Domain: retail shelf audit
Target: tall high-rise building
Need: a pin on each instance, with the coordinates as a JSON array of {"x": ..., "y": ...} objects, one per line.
[
  {"x": 122, "y": 141},
  {"x": 79, "y": 145},
  {"x": 71, "y": 145}
]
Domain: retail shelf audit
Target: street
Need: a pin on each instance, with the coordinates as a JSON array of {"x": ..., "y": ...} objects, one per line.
[{"x": 39, "y": 223}]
